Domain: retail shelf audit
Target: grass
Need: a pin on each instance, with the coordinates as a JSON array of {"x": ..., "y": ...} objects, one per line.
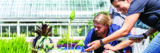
[{"x": 14, "y": 45}]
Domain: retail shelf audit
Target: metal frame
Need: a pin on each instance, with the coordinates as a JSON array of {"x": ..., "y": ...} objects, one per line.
[{"x": 74, "y": 23}]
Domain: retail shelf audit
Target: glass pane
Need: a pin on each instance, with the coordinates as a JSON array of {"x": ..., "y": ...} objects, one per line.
[
  {"x": 23, "y": 30},
  {"x": 5, "y": 31},
  {"x": 13, "y": 31},
  {"x": 31, "y": 30},
  {"x": 82, "y": 30},
  {"x": 75, "y": 31},
  {"x": 56, "y": 31}
]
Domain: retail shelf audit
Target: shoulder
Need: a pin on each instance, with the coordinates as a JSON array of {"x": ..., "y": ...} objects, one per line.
[
  {"x": 91, "y": 31},
  {"x": 137, "y": 6},
  {"x": 114, "y": 26}
]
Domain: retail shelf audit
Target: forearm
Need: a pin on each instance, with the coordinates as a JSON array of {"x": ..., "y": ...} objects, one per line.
[
  {"x": 114, "y": 36},
  {"x": 150, "y": 31},
  {"x": 126, "y": 28},
  {"x": 123, "y": 44}
]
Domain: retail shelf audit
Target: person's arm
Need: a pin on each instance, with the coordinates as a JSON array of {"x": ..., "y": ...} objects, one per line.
[
  {"x": 124, "y": 44},
  {"x": 126, "y": 28},
  {"x": 119, "y": 46},
  {"x": 150, "y": 31}
]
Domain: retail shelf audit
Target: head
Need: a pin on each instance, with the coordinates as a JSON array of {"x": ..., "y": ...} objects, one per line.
[
  {"x": 101, "y": 24},
  {"x": 121, "y": 5}
]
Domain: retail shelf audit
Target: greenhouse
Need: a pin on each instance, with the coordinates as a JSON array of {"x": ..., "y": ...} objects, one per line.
[{"x": 20, "y": 19}]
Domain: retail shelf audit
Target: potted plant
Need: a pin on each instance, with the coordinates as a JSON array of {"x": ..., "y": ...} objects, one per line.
[{"x": 42, "y": 43}]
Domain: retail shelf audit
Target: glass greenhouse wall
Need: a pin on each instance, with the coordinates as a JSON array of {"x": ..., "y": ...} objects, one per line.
[
  {"x": 50, "y": 8},
  {"x": 21, "y": 17}
]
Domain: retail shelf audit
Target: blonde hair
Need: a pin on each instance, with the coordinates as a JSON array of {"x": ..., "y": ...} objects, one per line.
[{"x": 102, "y": 18}]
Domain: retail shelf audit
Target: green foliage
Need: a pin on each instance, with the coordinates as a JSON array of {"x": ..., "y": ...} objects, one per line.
[
  {"x": 79, "y": 31},
  {"x": 152, "y": 36},
  {"x": 81, "y": 43},
  {"x": 43, "y": 44},
  {"x": 72, "y": 15},
  {"x": 14, "y": 45},
  {"x": 55, "y": 32},
  {"x": 64, "y": 41},
  {"x": 31, "y": 34},
  {"x": 44, "y": 30},
  {"x": 13, "y": 35},
  {"x": 7, "y": 34},
  {"x": 65, "y": 36},
  {"x": 90, "y": 24}
]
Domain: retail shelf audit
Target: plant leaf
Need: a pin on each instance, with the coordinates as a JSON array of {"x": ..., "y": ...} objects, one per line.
[
  {"x": 38, "y": 32},
  {"x": 49, "y": 29},
  {"x": 72, "y": 15},
  {"x": 81, "y": 43}
]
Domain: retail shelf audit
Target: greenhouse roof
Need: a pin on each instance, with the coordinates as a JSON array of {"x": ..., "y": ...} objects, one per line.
[{"x": 50, "y": 8}]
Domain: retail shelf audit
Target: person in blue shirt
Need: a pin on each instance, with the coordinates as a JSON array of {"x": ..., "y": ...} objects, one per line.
[
  {"x": 102, "y": 28},
  {"x": 148, "y": 11}
]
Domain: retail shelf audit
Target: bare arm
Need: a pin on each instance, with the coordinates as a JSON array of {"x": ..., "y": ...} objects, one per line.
[
  {"x": 126, "y": 28},
  {"x": 119, "y": 46},
  {"x": 123, "y": 44},
  {"x": 150, "y": 31}
]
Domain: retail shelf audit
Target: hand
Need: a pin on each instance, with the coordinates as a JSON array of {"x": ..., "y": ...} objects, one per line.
[
  {"x": 94, "y": 45},
  {"x": 109, "y": 47},
  {"x": 108, "y": 51},
  {"x": 84, "y": 52}
]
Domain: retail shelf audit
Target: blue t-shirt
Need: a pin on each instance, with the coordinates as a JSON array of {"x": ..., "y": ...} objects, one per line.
[
  {"x": 150, "y": 12},
  {"x": 92, "y": 37}
]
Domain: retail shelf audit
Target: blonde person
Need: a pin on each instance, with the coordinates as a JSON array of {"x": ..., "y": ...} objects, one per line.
[
  {"x": 102, "y": 28},
  {"x": 148, "y": 11}
]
